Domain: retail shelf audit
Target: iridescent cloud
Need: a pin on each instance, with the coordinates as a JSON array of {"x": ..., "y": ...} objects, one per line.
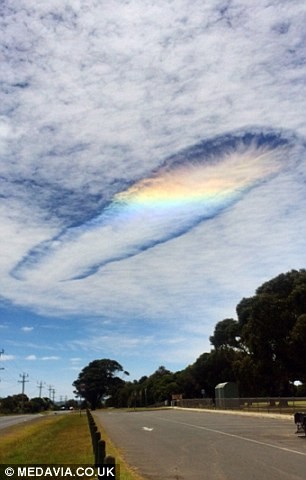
[{"x": 187, "y": 189}]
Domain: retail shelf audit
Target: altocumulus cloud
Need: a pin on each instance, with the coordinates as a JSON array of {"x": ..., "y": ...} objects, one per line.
[
  {"x": 153, "y": 161},
  {"x": 190, "y": 188}
]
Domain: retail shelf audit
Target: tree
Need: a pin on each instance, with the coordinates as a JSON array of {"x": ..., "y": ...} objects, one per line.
[
  {"x": 272, "y": 329},
  {"x": 212, "y": 368},
  {"x": 36, "y": 405},
  {"x": 298, "y": 348},
  {"x": 98, "y": 380},
  {"x": 14, "y": 403},
  {"x": 226, "y": 334},
  {"x": 156, "y": 388},
  {"x": 187, "y": 383}
]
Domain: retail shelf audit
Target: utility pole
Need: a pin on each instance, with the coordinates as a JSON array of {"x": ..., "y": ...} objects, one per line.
[
  {"x": 23, "y": 382},
  {"x": 40, "y": 387},
  {"x": 53, "y": 395},
  {"x": 50, "y": 388},
  {"x": 1, "y": 353}
]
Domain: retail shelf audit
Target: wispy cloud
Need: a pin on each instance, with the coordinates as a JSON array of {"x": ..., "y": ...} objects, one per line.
[
  {"x": 50, "y": 358},
  {"x": 75, "y": 359}
]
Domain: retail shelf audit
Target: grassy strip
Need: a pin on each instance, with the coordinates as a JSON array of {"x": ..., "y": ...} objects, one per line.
[
  {"x": 54, "y": 439},
  {"x": 57, "y": 439},
  {"x": 126, "y": 471}
]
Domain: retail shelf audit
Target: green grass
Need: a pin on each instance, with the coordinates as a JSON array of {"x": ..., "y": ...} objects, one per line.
[
  {"x": 57, "y": 439},
  {"x": 53, "y": 439}
]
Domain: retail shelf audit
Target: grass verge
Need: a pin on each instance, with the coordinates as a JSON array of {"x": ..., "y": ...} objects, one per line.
[
  {"x": 53, "y": 439},
  {"x": 57, "y": 439}
]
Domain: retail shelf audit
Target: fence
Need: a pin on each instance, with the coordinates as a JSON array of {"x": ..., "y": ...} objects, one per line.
[
  {"x": 98, "y": 445},
  {"x": 288, "y": 405}
]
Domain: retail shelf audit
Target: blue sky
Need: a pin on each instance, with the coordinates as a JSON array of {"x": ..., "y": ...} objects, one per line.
[{"x": 152, "y": 175}]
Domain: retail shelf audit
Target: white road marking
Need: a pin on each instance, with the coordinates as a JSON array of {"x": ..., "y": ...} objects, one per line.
[{"x": 237, "y": 436}]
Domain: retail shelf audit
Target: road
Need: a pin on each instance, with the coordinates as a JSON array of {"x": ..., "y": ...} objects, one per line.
[
  {"x": 10, "y": 420},
  {"x": 190, "y": 445}
]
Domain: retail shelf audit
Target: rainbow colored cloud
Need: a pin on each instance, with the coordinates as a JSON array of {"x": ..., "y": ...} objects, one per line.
[{"x": 189, "y": 188}]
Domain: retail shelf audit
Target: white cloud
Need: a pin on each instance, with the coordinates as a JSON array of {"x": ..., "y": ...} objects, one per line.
[
  {"x": 101, "y": 102},
  {"x": 52, "y": 357},
  {"x": 31, "y": 357},
  {"x": 27, "y": 329},
  {"x": 6, "y": 358}
]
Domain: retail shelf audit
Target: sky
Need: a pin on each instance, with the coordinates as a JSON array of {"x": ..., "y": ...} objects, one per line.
[{"x": 153, "y": 173}]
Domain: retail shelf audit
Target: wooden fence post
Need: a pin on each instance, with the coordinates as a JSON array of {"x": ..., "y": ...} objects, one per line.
[
  {"x": 98, "y": 444},
  {"x": 109, "y": 460},
  {"x": 97, "y": 438},
  {"x": 101, "y": 452}
]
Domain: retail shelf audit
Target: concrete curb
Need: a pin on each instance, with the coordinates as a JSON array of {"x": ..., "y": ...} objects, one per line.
[{"x": 281, "y": 416}]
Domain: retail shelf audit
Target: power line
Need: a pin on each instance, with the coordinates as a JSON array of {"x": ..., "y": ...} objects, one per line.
[{"x": 12, "y": 369}]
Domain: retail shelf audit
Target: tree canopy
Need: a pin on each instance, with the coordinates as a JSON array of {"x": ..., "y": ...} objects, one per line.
[
  {"x": 20, "y": 403},
  {"x": 263, "y": 351},
  {"x": 98, "y": 380},
  {"x": 272, "y": 329}
]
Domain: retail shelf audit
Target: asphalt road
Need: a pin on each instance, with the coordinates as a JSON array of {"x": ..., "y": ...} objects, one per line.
[
  {"x": 190, "y": 445},
  {"x": 10, "y": 420}
]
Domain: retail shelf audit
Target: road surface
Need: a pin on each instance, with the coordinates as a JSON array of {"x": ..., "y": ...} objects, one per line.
[
  {"x": 10, "y": 420},
  {"x": 190, "y": 445}
]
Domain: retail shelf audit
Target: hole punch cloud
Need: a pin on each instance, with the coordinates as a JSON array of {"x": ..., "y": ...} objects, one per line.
[{"x": 188, "y": 188}]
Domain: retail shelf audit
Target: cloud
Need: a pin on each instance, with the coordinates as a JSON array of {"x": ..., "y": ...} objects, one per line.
[
  {"x": 54, "y": 357},
  {"x": 163, "y": 345},
  {"x": 153, "y": 163},
  {"x": 31, "y": 357},
  {"x": 27, "y": 329},
  {"x": 189, "y": 189},
  {"x": 31, "y": 345},
  {"x": 6, "y": 358}
]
